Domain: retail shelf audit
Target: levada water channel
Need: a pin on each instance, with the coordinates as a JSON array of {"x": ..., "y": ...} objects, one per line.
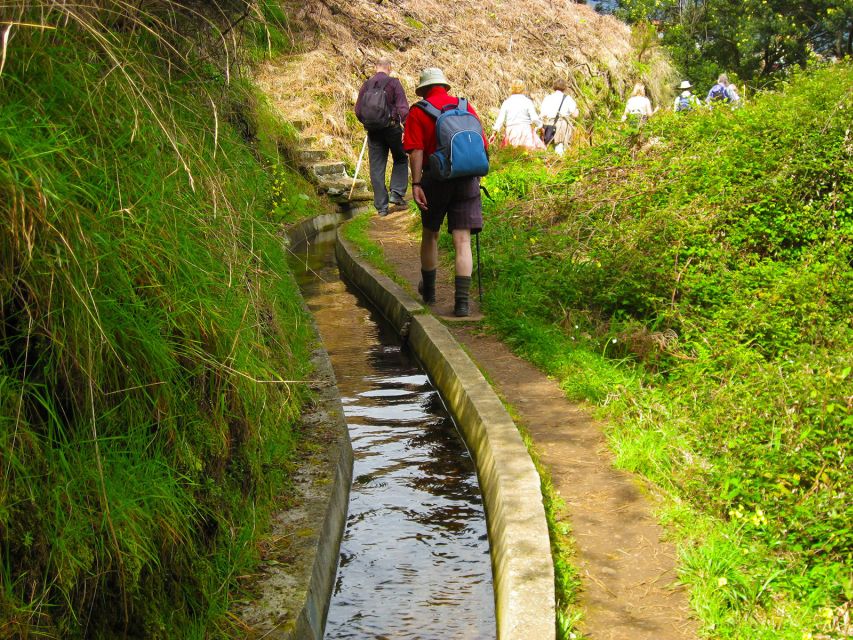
[{"x": 414, "y": 559}]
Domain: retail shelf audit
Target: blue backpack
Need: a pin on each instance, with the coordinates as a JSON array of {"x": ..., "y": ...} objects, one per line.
[
  {"x": 683, "y": 104},
  {"x": 718, "y": 93},
  {"x": 459, "y": 134}
]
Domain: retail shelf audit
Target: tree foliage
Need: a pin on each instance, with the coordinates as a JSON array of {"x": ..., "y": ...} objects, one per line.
[{"x": 753, "y": 38}]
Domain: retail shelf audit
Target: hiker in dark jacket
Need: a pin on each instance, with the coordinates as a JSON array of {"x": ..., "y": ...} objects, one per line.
[
  {"x": 382, "y": 109},
  {"x": 458, "y": 198}
]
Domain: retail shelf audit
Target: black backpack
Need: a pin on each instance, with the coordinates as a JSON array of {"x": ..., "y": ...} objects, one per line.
[{"x": 375, "y": 114}]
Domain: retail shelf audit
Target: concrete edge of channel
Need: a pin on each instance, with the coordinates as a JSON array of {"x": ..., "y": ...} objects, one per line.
[
  {"x": 311, "y": 621},
  {"x": 523, "y": 571}
]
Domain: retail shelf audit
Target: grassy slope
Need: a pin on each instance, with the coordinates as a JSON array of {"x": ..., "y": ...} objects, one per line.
[
  {"x": 150, "y": 337},
  {"x": 597, "y": 54},
  {"x": 695, "y": 279}
]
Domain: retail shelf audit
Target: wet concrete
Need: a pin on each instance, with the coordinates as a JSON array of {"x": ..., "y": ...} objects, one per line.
[
  {"x": 521, "y": 559},
  {"x": 415, "y": 556}
]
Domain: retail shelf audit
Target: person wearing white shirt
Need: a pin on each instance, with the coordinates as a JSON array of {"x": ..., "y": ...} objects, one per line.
[
  {"x": 556, "y": 110},
  {"x": 518, "y": 114},
  {"x": 638, "y": 107}
]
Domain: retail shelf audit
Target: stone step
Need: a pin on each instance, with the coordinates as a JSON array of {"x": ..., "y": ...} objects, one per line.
[
  {"x": 360, "y": 195},
  {"x": 312, "y": 156},
  {"x": 342, "y": 194},
  {"x": 323, "y": 169},
  {"x": 328, "y": 183}
]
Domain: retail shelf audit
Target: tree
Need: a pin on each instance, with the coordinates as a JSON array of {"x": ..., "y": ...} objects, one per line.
[{"x": 753, "y": 38}]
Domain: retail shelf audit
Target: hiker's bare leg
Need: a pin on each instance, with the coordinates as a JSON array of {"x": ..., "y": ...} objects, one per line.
[
  {"x": 462, "y": 245},
  {"x": 429, "y": 250}
]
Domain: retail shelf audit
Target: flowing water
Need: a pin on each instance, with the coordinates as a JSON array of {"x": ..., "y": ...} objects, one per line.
[{"x": 414, "y": 559}]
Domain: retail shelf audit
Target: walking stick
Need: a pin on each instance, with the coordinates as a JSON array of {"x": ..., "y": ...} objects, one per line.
[
  {"x": 357, "y": 167},
  {"x": 479, "y": 273}
]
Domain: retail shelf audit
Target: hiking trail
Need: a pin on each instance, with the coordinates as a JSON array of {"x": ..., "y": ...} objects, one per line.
[{"x": 630, "y": 589}]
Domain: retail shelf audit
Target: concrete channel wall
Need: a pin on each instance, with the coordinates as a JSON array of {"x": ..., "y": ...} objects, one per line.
[
  {"x": 326, "y": 547},
  {"x": 325, "y": 543},
  {"x": 523, "y": 571}
]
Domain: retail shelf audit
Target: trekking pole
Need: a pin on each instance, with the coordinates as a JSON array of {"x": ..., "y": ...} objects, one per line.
[
  {"x": 479, "y": 273},
  {"x": 357, "y": 167},
  {"x": 477, "y": 239}
]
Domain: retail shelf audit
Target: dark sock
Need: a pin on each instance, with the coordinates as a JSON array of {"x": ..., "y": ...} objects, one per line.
[
  {"x": 463, "y": 286},
  {"x": 427, "y": 288}
]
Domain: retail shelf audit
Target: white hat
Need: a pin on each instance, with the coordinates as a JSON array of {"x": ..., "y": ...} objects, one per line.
[
  {"x": 429, "y": 77},
  {"x": 685, "y": 84}
]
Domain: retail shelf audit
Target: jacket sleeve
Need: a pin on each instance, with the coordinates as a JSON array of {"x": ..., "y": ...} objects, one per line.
[
  {"x": 501, "y": 117},
  {"x": 358, "y": 101},
  {"x": 534, "y": 117},
  {"x": 573, "y": 110},
  {"x": 545, "y": 108},
  {"x": 400, "y": 104}
]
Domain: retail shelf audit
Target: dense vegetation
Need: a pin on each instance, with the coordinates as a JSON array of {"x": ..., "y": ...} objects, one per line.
[
  {"x": 695, "y": 278},
  {"x": 755, "y": 39},
  {"x": 151, "y": 338}
]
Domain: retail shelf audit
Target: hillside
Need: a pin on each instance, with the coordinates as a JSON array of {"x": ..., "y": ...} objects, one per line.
[
  {"x": 695, "y": 280},
  {"x": 152, "y": 339},
  {"x": 482, "y": 45}
]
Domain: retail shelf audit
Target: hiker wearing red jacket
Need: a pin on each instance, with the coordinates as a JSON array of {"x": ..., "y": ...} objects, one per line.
[{"x": 456, "y": 198}]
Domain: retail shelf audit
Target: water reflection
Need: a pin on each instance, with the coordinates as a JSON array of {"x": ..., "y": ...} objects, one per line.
[{"x": 415, "y": 558}]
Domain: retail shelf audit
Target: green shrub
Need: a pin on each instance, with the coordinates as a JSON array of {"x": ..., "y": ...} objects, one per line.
[{"x": 710, "y": 257}]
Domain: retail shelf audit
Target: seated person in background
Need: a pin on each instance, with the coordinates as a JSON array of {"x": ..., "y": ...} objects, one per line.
[
  {"x": 557, "y": 110},
  {"x": 519, "y": 115},
  {"x": 638, "y": 107}
]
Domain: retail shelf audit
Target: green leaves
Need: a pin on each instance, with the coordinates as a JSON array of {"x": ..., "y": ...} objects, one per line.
[
  {"x": 717, "y": 250},
  {"x": 753, "y": 38},
  {"x": 135, "y": 314}
]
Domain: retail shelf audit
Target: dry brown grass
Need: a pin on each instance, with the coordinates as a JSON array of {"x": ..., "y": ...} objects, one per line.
[{"x": 482, "y": 45}]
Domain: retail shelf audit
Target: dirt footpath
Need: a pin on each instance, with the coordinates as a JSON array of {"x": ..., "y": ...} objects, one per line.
[{"x": 628, "y": 571}]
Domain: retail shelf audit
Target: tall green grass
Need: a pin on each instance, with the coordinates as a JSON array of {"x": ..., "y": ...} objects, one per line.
[
  {"x": 152, "y": 340},
  {"x": 694, "y": 278}
]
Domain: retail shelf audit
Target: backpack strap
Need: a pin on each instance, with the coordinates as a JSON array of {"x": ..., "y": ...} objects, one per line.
[
  {"x": 435, "y": 112},
  {"x": 429, "y": 108},
  {"x": 560, "y": 108}
]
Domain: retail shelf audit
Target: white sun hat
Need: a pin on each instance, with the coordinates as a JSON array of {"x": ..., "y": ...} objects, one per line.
[{"x": 429, "y": 77}]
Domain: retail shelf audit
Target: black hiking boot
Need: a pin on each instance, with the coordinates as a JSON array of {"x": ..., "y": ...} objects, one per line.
[
  {"x": 463, "y": 286},
  {"x": 426, "y": 287}
]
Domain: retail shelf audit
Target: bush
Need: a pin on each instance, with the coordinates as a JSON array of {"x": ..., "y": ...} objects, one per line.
[{"x": 712, "y": 254}]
